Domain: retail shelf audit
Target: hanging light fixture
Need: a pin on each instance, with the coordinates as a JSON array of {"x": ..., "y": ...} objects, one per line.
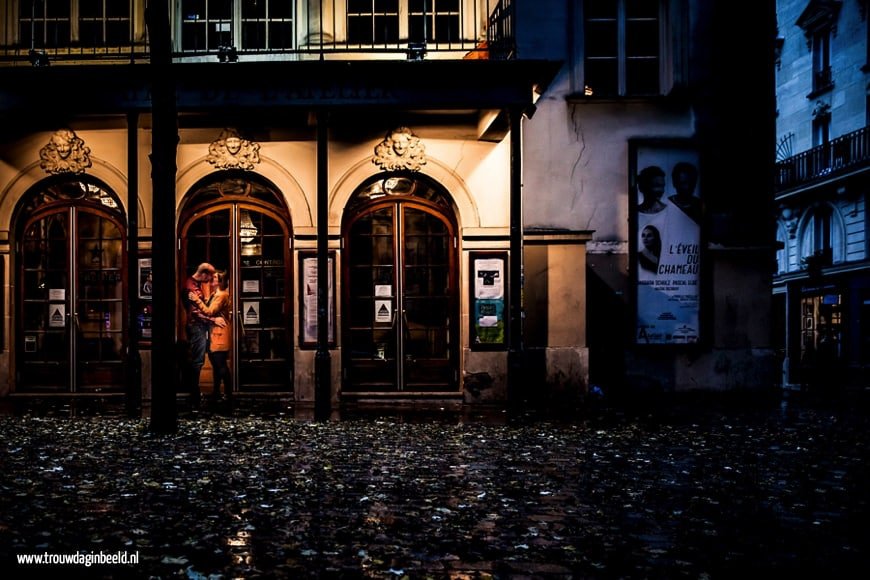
[
  {"x": 247, "y": 234},
  {"x": 247, "y": 229}
]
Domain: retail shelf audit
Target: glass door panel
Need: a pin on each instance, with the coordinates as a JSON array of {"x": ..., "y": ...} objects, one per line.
[
  {"x": 426, "y": 302},
  {"x": 262, "y": 310},
  {"x": 44, "y": 362},
  {"x": 372, "y": 330},
  {"x": 99, "y": 313}
]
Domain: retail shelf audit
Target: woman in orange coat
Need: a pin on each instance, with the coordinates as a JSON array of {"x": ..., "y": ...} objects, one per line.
[{"x": 218, "y": 304}]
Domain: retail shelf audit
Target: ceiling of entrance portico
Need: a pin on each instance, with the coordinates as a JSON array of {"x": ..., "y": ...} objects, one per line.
[{"x": 360, "y": 124}]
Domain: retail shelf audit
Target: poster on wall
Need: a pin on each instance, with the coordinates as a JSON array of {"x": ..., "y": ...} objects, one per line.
[
  {"x": 309, "y": 299},
  {"x": 666, "y": 242},
  {"x": 145, "y": 279},
  {"x": 488, "y": 311}
]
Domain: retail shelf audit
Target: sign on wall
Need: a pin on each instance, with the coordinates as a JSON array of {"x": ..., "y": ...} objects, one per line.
[
  {"x": 666, "y": 241},
  {"x": 308, "y": 294},
  {"x": 488, "y": 300}
]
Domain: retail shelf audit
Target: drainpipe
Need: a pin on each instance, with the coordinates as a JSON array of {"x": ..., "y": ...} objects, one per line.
[
  {"x": 322, "y": 360},
  {"x": 516, "y": 363}
]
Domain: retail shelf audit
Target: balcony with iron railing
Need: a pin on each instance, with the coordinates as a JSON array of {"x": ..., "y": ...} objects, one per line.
[
  {"x": 38, "y": 33},
  {"x": 836, "y": 158}
]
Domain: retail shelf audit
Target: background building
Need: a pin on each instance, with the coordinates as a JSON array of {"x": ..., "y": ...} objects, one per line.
[
  {"x": 402, "y": 193},
  {"x": 658, "y": 84},
  {"x": 822, "y": 288}
]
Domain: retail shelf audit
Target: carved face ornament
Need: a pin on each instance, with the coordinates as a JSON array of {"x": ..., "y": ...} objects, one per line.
[{"x": 234, "y": 144}]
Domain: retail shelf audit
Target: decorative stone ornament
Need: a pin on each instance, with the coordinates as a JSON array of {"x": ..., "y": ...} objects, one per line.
[
  {"x": 230, "y": 151},
  {"x": 789, "y": 220},
  {"x": 66, "y": 152},
  {"x": 400, "y": 150}
]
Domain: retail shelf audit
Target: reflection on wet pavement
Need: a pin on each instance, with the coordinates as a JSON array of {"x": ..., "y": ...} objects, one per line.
[{"x": 683, "y": 489}]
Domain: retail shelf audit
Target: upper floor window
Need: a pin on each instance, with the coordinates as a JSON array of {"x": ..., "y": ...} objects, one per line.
[
  {"x": 373, "y": 21},
  {"x": 391, "y": 21},
  {"x": 822, "y": 236},
  {"x": 64, "y": 23},
  {"x": 622, "y": 47},
  {"x": 263, "y": 25},
  {"x": 821, "y": 129},
  {"x": 246, "y": 24},
  {"x": 819, "y": 21},
  {"x": 822, "y": 77}
]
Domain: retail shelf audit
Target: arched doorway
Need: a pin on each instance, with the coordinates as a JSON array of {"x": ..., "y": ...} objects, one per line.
[
  {"x": 239, "y": 223},
  {"x": 400, "y": 300},
  {"x": 71, "y": 330}
]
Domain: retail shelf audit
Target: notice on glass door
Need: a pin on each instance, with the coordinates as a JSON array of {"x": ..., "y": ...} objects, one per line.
[
  {"x": 56, "y": 315},
  {"x": 383, "y": 311},
  {"x": 251, "y": 312}
]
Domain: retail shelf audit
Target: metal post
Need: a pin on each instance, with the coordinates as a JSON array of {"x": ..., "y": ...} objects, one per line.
[
  {"x": 322, "y": 359},
  {"x": 164, "y": 376}
]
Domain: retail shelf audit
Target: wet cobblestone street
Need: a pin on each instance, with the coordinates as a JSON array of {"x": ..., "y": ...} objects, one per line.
[{"x": 684, "y": 492}]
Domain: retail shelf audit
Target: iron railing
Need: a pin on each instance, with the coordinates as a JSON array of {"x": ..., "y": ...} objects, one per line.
[
  {"x": 836, "y": 157},
  {"x": 231, "y": 30}
]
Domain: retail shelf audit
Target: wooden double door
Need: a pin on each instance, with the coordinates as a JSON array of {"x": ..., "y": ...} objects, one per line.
[
  {"x": 71, "y": 333},
  {"x": 400, "y": 299},
  {"x": 251, "y": 242}
]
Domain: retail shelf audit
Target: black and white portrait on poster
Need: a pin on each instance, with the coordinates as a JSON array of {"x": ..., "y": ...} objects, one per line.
[
  {"x": 145, "y": 279},
  {"x": 667, "y": 242}
]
